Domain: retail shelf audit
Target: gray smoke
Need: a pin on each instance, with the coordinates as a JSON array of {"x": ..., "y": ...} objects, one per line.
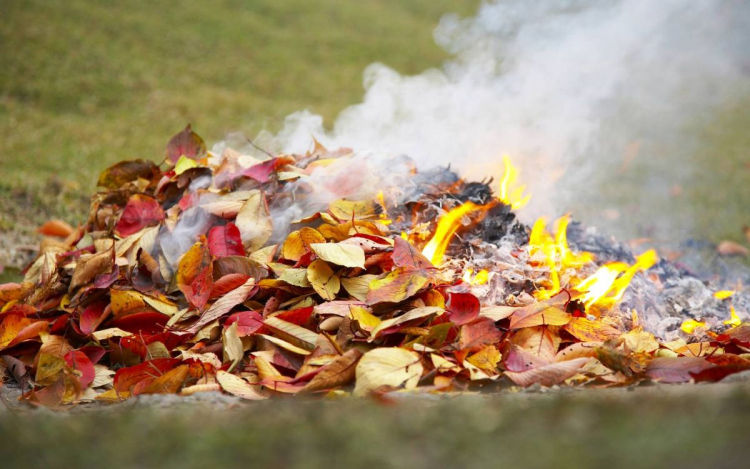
[{"x": 568, "y": 89}]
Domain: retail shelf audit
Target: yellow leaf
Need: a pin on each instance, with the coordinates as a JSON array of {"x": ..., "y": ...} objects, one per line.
[
  {"x": 394, "y": 367},
  {"x": 296, "y": 277},
  {"x": 254, "y": 222},
  {"x": 285, "y": 345},
  {"x": 124, "y": 301},
  {"x": 239, "y": 387},
  {"x": 640, "y": 341},
  {"x": 347, "y": 209},
  {"x": 109, "y": 333},
  {"x": 170, "y": 382},
  {"x": 233, "y": 349},
  {"x": 323, "y": 280},
  {"x": 486, "y": 359},
  {"x": 305, "y": 338},
  {"x": 358, "y": 286},
  {"x": 298, "y": 242},
  {"x": 183, "y": 164},
  {"x": 347, "y": 255},
  {"x": 48, "y": 369},
  {"x": 365, "y": 318},
  {"x": 397, "y": 286}
]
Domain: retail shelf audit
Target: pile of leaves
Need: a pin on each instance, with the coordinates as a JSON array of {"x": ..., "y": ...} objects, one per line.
[{"x": 135, "y": 303}]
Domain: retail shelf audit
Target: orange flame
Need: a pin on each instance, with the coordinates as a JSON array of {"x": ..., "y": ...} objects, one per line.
[
  {"x": 446, "y": 227},
  {"x": 514, "y": 197}
]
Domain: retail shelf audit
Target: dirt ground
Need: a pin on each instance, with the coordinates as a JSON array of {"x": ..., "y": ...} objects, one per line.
[{"x": 690, "y": 426}]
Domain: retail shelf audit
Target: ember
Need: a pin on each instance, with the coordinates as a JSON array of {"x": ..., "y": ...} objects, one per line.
[{"x": 284, "y": 276}]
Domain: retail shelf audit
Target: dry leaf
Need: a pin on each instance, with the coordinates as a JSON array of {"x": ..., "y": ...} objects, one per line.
[
  {"x": 394, "y": 367},
  {"x": 346, "y": 255},
  {"x": 340, "y": 372},
  {"x": 254, "y": 222},
  {"x": 323, "y": 280}
]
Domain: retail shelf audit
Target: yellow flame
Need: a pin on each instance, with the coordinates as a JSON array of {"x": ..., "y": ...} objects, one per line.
[
  {"x": 467, "y": 275},
  {"x": 690, "y": 325},
  {"x": 514, "y": 197},
  {"x": 607, "y": 286},
  {"x": 481, "y": 278},
  {"x": 446, "y": 227},
  {"x": 734, "y": 320},
  {"x": 723, "y": 294}
]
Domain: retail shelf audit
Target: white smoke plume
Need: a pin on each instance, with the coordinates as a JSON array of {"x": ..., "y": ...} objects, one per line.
[{"x": 563, "y": 87}]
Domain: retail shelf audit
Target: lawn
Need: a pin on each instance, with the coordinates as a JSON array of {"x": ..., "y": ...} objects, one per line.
[{"x": 84, "y": 84}]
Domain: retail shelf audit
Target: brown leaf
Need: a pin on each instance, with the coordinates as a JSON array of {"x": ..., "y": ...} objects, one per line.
[
  {"x": 547, "y": 375},
  {"x": 89, "y": 267},
  {"x": 225, "y": 304},
  {"x": 479, "y": 333},
  {"x": 127, "y": 171},
  {"x": 407, "y": 256},
  {"x": 340, "y": 372},
  {"x": 168, "y": 383}
]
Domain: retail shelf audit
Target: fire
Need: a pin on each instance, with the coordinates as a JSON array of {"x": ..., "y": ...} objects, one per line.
[
  {"x": 602, "y": 289},
  {"x": 734, "y": 320},
  {"x": 723, "y": 294},
  {"x": 446, "y": 227},
  {"x": 481, "y": 278},
  {"x": 514, "y": 197},
  {"x": 690, "y": 325}
]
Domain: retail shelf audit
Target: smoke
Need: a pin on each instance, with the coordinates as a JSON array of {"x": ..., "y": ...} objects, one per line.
[{"x": 563, "y": 87}]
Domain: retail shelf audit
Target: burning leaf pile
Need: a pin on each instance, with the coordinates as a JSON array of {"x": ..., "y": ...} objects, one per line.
[{"x": 270, "y": 277}]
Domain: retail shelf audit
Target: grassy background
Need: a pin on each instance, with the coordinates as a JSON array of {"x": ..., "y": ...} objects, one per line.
[{"x": 84, "y": 84}]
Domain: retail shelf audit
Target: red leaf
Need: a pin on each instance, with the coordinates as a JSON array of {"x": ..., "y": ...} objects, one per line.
[
  {"x": 78, "y": 360},
  {"x": 225, "y": 241},
  {"x": 91, "y": 317},
  {"x": 228, "y": 283},
  {"x": 127, "y": 378},
  {"x": 462, "y": 308},
  {"x": 479, "y": 333},
  {"x": 261, "y": 172},
  {"x": 299, "y": 316},
  {"x": 725, "y": 365},
  {"x": 140, "y": 211},
  {"x": 146, "y": 323},
  {"x": 93, "y": 352},
  {"x": 405, "y": 255},
  {"x": 248, "y": 322},
  {"x": 186, "y": 143}
]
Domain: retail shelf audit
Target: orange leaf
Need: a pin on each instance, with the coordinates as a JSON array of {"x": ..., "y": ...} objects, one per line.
[
  {"x": 397, "y": 286},
  {"x": 195, "y": 274}
]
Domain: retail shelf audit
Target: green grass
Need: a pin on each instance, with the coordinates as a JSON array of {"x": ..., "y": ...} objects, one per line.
[{"x": 84, "y": 84}]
